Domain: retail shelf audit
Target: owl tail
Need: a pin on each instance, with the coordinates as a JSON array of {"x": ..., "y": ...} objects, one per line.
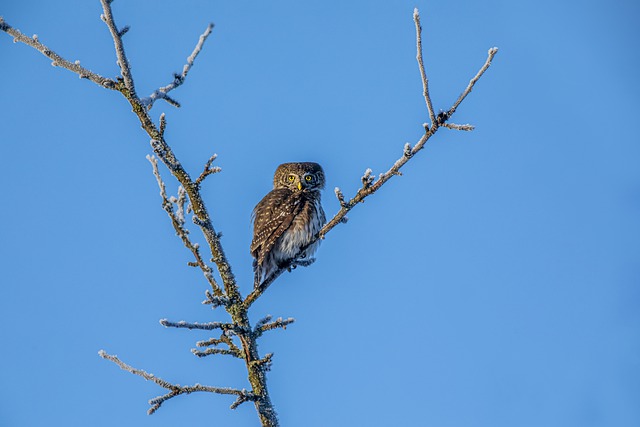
[{"x": 257, "y": 274}]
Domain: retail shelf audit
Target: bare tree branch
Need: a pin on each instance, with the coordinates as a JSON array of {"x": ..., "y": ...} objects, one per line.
[
  {"x": 454, "y": 126},
  {"x": 208, "y": 170},
  {"x": 264, "y": 325},
  {"x": 177, "y": 220},
  {"x": 203, "y": 326},
  {"x": 178, "y": 79},
  {"x": 176, "y": 389},
  {"x": 492, "y": 52},
  {"x": 116, "y": 34},
  {"x": 216, "y": 301},
  {"x": 225, "y": 338},
  {"x": 214, "y": 350},
  {"x": 57, "y": 60},
  {"x": 423, "y": 74}
]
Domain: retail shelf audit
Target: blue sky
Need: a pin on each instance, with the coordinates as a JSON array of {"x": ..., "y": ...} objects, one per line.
[{"x": 496, "y": 283}]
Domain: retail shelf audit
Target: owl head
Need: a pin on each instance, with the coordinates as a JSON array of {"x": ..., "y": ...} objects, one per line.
[{"x": 299, "y": 176}]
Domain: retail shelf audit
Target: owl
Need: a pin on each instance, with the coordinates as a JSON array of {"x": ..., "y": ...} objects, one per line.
[{"x": 287, "y": 218}]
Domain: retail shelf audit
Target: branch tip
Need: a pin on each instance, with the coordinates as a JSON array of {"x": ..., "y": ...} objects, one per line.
[{"x": 423, "y": 74}]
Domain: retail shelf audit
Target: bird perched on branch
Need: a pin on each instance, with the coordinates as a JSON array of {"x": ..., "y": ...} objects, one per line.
[{"x": 287, "y": 219}]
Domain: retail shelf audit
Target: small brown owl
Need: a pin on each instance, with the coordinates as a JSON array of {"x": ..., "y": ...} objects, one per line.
[{"x": 287, "y": 218}]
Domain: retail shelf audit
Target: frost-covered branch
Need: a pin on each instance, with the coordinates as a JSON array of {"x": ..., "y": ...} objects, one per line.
[
  {"x": 216, "y": 301},
  {"x": 56, "y": 60},
  {"x": 177, "y": 220},
  {"x": 492, "y": 52},
  {"x": 215, "y": 350},
  {"x": 177, "y": 390},
  {"x": 117, "y": 34},
  {"x": 466, "y": 127},
  {"x": 203, "y": 326},
  {"x": 225, "y": 338},
  {"x": 178, "y": 79},
  {"x": 370, "y": 184},
  {"x": 208, "y": 169},
  {"x": 423, "y": 74},
  {"x": 266, "y": 325}
]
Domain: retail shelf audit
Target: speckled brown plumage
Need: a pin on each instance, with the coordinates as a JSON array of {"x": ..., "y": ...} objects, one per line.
[{"x": 288, "y": 217}]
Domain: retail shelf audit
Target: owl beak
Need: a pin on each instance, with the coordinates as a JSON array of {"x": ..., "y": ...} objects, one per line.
[{"x": 299, "y": 186}]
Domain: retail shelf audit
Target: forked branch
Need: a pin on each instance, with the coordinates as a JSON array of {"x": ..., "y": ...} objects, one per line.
[
  {"x": 176, "y": 389},
  {"x": 177, "y": 220},
  {"x": 370, "y": 185}
]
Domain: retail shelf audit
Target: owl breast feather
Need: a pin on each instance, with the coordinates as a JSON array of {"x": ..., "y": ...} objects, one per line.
[{"x": 302, "y": 231}]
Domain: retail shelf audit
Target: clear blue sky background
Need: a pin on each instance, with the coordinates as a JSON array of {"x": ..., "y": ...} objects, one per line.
[{"x": 495, "y": 284}]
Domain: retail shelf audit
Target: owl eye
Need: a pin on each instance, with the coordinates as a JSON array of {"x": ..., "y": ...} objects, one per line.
[
  {"x": 291, "y": 178},
  {"x": 308, "y": 178}
]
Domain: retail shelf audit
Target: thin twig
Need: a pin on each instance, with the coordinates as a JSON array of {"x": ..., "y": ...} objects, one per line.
[
  {"x": 278, "y": 323},
  {"x": 216, "y": 301},
  {"x": 225, "y": 338},
  {"x": 492, "y": 52},
  {"x": 208, "y": 170},
  {"x": 176, "y": 389},
  {"x": 214, "y": 350},
  {"x": 202, "y": 326},
  {"x": 423, "y": 74},
  {"x": 178, "y": 79},
  {"x": 56, "y": 59},
  {"x": 466, "y": 127},
  {"x": 339, "y": 196}
]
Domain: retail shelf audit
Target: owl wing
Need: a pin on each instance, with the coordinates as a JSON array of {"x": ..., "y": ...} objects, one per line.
[{"x": 272, "y": 216}]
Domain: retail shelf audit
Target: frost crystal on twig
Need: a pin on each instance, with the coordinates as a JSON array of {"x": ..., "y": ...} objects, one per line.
[
  {"x": 367, "y": 179},
  {"x": 340, "y": 197},
  {"x": 407, "y": 150}
]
